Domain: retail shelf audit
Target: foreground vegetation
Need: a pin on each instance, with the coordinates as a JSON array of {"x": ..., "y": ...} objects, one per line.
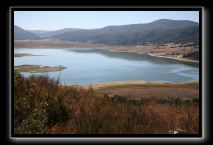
[{"x": 42, "y": 106}]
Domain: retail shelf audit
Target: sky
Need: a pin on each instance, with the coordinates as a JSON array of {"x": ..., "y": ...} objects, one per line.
[{"x": 55, "y": 20}]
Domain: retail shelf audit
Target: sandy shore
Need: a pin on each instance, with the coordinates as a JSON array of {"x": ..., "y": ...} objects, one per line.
[
  {"x": 102, "y": 85},
  {"x": 134, "y": 82}
]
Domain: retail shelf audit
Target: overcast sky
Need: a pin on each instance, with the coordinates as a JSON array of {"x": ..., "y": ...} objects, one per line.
[{"x": 54, "y": 20}]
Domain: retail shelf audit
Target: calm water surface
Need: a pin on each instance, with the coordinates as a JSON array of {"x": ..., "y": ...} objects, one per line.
[{"x": 98, "y": 66}]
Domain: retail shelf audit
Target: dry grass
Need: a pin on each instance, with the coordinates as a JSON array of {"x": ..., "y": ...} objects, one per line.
[
  {"x": 90, "y": 113},
  {"x": 184, "y": 91}
]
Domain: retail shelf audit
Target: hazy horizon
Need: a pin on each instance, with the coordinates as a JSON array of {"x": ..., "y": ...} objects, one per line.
[{"x": 56, "y": 20}]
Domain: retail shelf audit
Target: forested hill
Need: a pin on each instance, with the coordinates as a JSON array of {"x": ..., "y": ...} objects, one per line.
[{"x": 159, "y": 31}]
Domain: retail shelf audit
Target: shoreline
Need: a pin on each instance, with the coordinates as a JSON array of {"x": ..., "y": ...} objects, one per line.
[
  {"x": 174, "y": 58},
  {"x": 33, "y": 44},
  {"x": 129, "y": 83},
  {"x": 25, "y": 54},
  {"x": 38, "y": 68},
  {"x": 160, "y": 90},
  {"x": 123, "y": 83}
]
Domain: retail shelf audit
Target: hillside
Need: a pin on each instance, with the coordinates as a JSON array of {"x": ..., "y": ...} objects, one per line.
[
  {"x": 22, "y": 34},
  {"x": 159, "y": 32}
]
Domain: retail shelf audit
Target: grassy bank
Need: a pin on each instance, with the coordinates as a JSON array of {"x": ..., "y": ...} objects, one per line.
[
  {"x": 25, "y": 54},
  {"x": 22, "y": 54},
  {"x": 38, "y": 68},
  {"x": 41, "y": 105}
]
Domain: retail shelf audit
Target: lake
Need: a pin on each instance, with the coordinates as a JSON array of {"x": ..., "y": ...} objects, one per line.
[{"x": 98, "y": 66}]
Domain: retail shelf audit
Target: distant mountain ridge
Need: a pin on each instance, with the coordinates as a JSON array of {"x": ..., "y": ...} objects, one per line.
[
  {"x": 20, "y": 33},
  {"x": 159, "y": 31},
  {"x": 47, "y": 34}
]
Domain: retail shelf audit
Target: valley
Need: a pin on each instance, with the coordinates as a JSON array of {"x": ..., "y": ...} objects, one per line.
[{"x": 138, "y": 78}]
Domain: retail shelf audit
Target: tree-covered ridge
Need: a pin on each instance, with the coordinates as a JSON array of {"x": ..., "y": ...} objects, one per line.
[{"x": 159, "y": 31}]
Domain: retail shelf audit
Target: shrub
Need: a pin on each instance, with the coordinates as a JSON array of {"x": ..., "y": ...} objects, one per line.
[
  {"x": 176, "y": 101},
  {"x": 42, "y": 106},
  {"x": 36, "y": 107},
  {"x": 195, "y": 101}
]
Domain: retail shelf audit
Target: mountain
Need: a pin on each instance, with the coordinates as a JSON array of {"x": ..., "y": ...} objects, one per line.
[
  {"x": 159, "y": 31},
  {"x": 21, "y": 34},
  {"x": 47, "y": 34},
  {"x": 41, "y": 33}
]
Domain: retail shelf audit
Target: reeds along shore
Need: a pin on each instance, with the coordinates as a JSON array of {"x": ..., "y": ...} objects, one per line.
[{"x": 42, "y": 106}]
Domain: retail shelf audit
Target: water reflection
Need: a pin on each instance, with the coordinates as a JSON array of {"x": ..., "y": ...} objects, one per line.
[
  {"x": 133, "y": 56},
  {"x": 98, "y": 66}
]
